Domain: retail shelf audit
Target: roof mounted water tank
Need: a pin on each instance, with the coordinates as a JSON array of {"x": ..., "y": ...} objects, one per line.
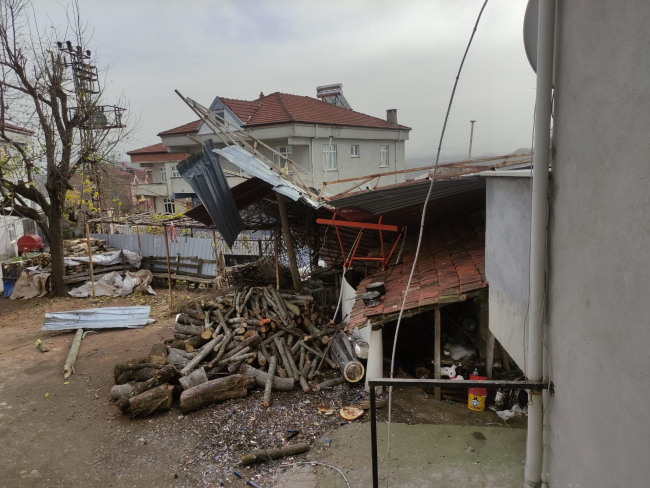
[{"x": 333, "y": 94}]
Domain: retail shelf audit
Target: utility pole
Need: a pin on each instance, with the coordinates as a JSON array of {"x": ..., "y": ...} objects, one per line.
[{"x": 471, "y": 136}]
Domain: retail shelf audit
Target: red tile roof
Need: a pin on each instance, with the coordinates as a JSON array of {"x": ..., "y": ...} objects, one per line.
[
  {"x": 451, "y": 264},
  {"x": 15, "y": 128},
  {"x": 153, "y": 149},
  {"x": 278, "y": 108},
  {"x": 282, "y": 108},
  {"x": 188, "y": 128}
]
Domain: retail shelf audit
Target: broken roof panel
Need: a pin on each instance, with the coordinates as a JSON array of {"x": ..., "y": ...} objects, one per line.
[
  {"x": 252, "y": 165},
  {"x": 204, "y": 174},
  {"x": 451, "y": 265},
  {"x": 98, "y": 318}
]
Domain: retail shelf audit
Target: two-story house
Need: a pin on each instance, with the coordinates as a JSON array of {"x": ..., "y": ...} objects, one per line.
[
  {"x": 164, "y": 185},
  {"x": 325, "y": 138}
]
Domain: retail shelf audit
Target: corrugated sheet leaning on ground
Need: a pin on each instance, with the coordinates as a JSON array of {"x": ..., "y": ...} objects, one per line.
[{"x": 98, "y": 318}]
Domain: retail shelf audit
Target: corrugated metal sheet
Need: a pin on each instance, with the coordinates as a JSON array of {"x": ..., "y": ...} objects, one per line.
[
  {"x": 181, "y": 247},
  {"x": 98, "y": 318},
  {"x": 402, "y": 196},
  {"x": 256, "y": 167},
  {"x": 203, "y": 173}
]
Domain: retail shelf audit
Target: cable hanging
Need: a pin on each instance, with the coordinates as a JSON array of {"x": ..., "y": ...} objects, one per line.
[{"x": 432, "y": 175}]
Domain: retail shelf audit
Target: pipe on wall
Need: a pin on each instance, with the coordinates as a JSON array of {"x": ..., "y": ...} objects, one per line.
[{"x": 538, "y": 237}]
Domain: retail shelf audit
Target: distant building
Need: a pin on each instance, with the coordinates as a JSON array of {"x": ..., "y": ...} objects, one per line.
[
  {"x": 164, "y": 186},
  {"x": 325, "y": 138}
]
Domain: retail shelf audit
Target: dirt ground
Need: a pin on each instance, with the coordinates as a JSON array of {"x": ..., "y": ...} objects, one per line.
[{"x": 71, "y": 435}]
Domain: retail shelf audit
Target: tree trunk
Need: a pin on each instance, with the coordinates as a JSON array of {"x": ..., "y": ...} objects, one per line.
[
  {"x": 288, "y": 240},
  {"x": 219, "y": 390},
  {"x": 55, "y": 239},
  {"x": 158, "y": 399},
  {"x": 279, "y": 384}
]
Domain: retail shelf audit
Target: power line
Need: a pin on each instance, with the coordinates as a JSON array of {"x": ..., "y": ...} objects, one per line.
[{"x": 432, "y": 174}]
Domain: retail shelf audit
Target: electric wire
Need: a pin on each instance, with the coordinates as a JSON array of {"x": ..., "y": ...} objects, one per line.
[{"x": 432, "y": 175}]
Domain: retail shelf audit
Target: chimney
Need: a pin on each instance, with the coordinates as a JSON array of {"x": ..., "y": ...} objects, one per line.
[{"x": 391, "y": 116}]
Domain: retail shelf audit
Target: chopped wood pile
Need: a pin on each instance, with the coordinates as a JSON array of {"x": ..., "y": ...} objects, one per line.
[
  {"x": 79, "y": 247},
  {"x": 223, "y": 346}
]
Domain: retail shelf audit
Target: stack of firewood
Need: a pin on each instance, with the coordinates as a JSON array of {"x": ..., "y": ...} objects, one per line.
[
  {"x": 225, "y": 345},
  {"x": 79, "y": 247}
]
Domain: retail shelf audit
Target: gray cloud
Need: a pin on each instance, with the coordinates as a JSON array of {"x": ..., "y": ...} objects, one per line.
[{"x": 387, "y": 54}]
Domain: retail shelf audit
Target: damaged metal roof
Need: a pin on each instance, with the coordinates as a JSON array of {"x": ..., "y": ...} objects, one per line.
[
  {"x": 204, "y": 174},
  {"x": 98, "y": 318},
  {"x": 251, "y": 164}
]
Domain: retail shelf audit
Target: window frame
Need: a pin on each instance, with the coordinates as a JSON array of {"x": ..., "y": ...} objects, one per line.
[
  {"x": 174, "y": 171},
  {"x": 163, "y": 174},
  {"x": 169, "y": 203},
  {"x": 358, "y": 151},
  {"x": 384, "y": 149},
  {"x": 11, "y": 231},
  {"x": 330, "y": 158},
  {"x": 286, "y": 151}
]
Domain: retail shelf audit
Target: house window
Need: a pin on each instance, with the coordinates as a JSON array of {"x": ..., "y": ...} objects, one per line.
[
  {"x": 169, "y": 206},
  {"x": 11, "y": 228},
  {"x": 175, "y": 173},
  {"x": 383, "y": 156},
  {"x": 163, "y": 174},
  {"x": 286, "y": 151},
  {"x": 329, "y": 157},
  {"x": 354, "y": 151}
]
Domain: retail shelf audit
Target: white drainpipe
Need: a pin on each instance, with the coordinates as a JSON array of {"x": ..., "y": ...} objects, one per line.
[{"x": 538, "y": 238}]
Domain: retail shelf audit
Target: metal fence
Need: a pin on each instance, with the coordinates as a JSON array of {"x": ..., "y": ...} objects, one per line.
[{"x": 249, "y": 245}]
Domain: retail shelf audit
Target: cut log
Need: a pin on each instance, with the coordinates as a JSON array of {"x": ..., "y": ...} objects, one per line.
[
  {"x": 180, "y": 352},
  {"x": 279, "y": 384},
  {"x": 285, "y": 361},
  {"x": 303, "y": 376},
  {"x": 166, "y": 374},
  {"x": 195, "y": 378},
  {"x": 158, "y": 399},
  {"x": 263, "y": 455},
  {"x": 209, "y": 347},
  {"x": 176, "y": 359},
  {"x": 234, "y": 367},
  {"x": 190, "y": 329},
  {"x": 346, "y": 359},
  {"x": 319, "y": 354},
  {"x": 312, "y": 370},
  {"x": 182, "y": 318},
  {"x": 268, "y": 386},
  {"x": 119, "y": 391},
  {"x": 206, "y": 333},
  {"x": 219, "y": 390},
  {"x": 158, "y": 354},
  {"x": 326, "y": 385},
  {"x": 68, "y": 367},
  {"x": 292, "y": 363}
]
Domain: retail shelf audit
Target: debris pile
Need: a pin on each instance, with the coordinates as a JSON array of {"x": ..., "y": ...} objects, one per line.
[{"x": 228, "y": 344}]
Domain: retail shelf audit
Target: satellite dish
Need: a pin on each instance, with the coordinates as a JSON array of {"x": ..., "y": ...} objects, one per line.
[
  {"x": 530, "y": 35},
  {"x": 530, "y": 32}
]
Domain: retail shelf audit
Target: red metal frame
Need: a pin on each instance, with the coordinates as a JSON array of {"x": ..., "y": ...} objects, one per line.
[{"x": 363, "y": 226}]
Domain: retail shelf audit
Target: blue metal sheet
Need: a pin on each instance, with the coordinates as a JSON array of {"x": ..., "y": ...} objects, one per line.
[{"x": 98, "y": 318}]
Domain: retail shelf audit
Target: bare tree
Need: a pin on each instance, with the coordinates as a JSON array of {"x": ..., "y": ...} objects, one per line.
[{"x": 52, "y": 87}]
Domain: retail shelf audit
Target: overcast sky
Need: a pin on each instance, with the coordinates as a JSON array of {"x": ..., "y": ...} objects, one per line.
[{"x": 387, "y": 54}]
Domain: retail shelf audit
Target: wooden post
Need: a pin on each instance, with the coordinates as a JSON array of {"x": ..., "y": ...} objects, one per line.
[
  {"x": 436, "y": 352},
  {"x": 90, "y": 258},
  {"x": 489, "y": 361},
  {"x": 288, "y": 241},
  {"x": 137, "y": 231},
  {"x": 277, "y": 263},
  {"x": 169, "y": 269},
  {"x": 216, "y": 254}
]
